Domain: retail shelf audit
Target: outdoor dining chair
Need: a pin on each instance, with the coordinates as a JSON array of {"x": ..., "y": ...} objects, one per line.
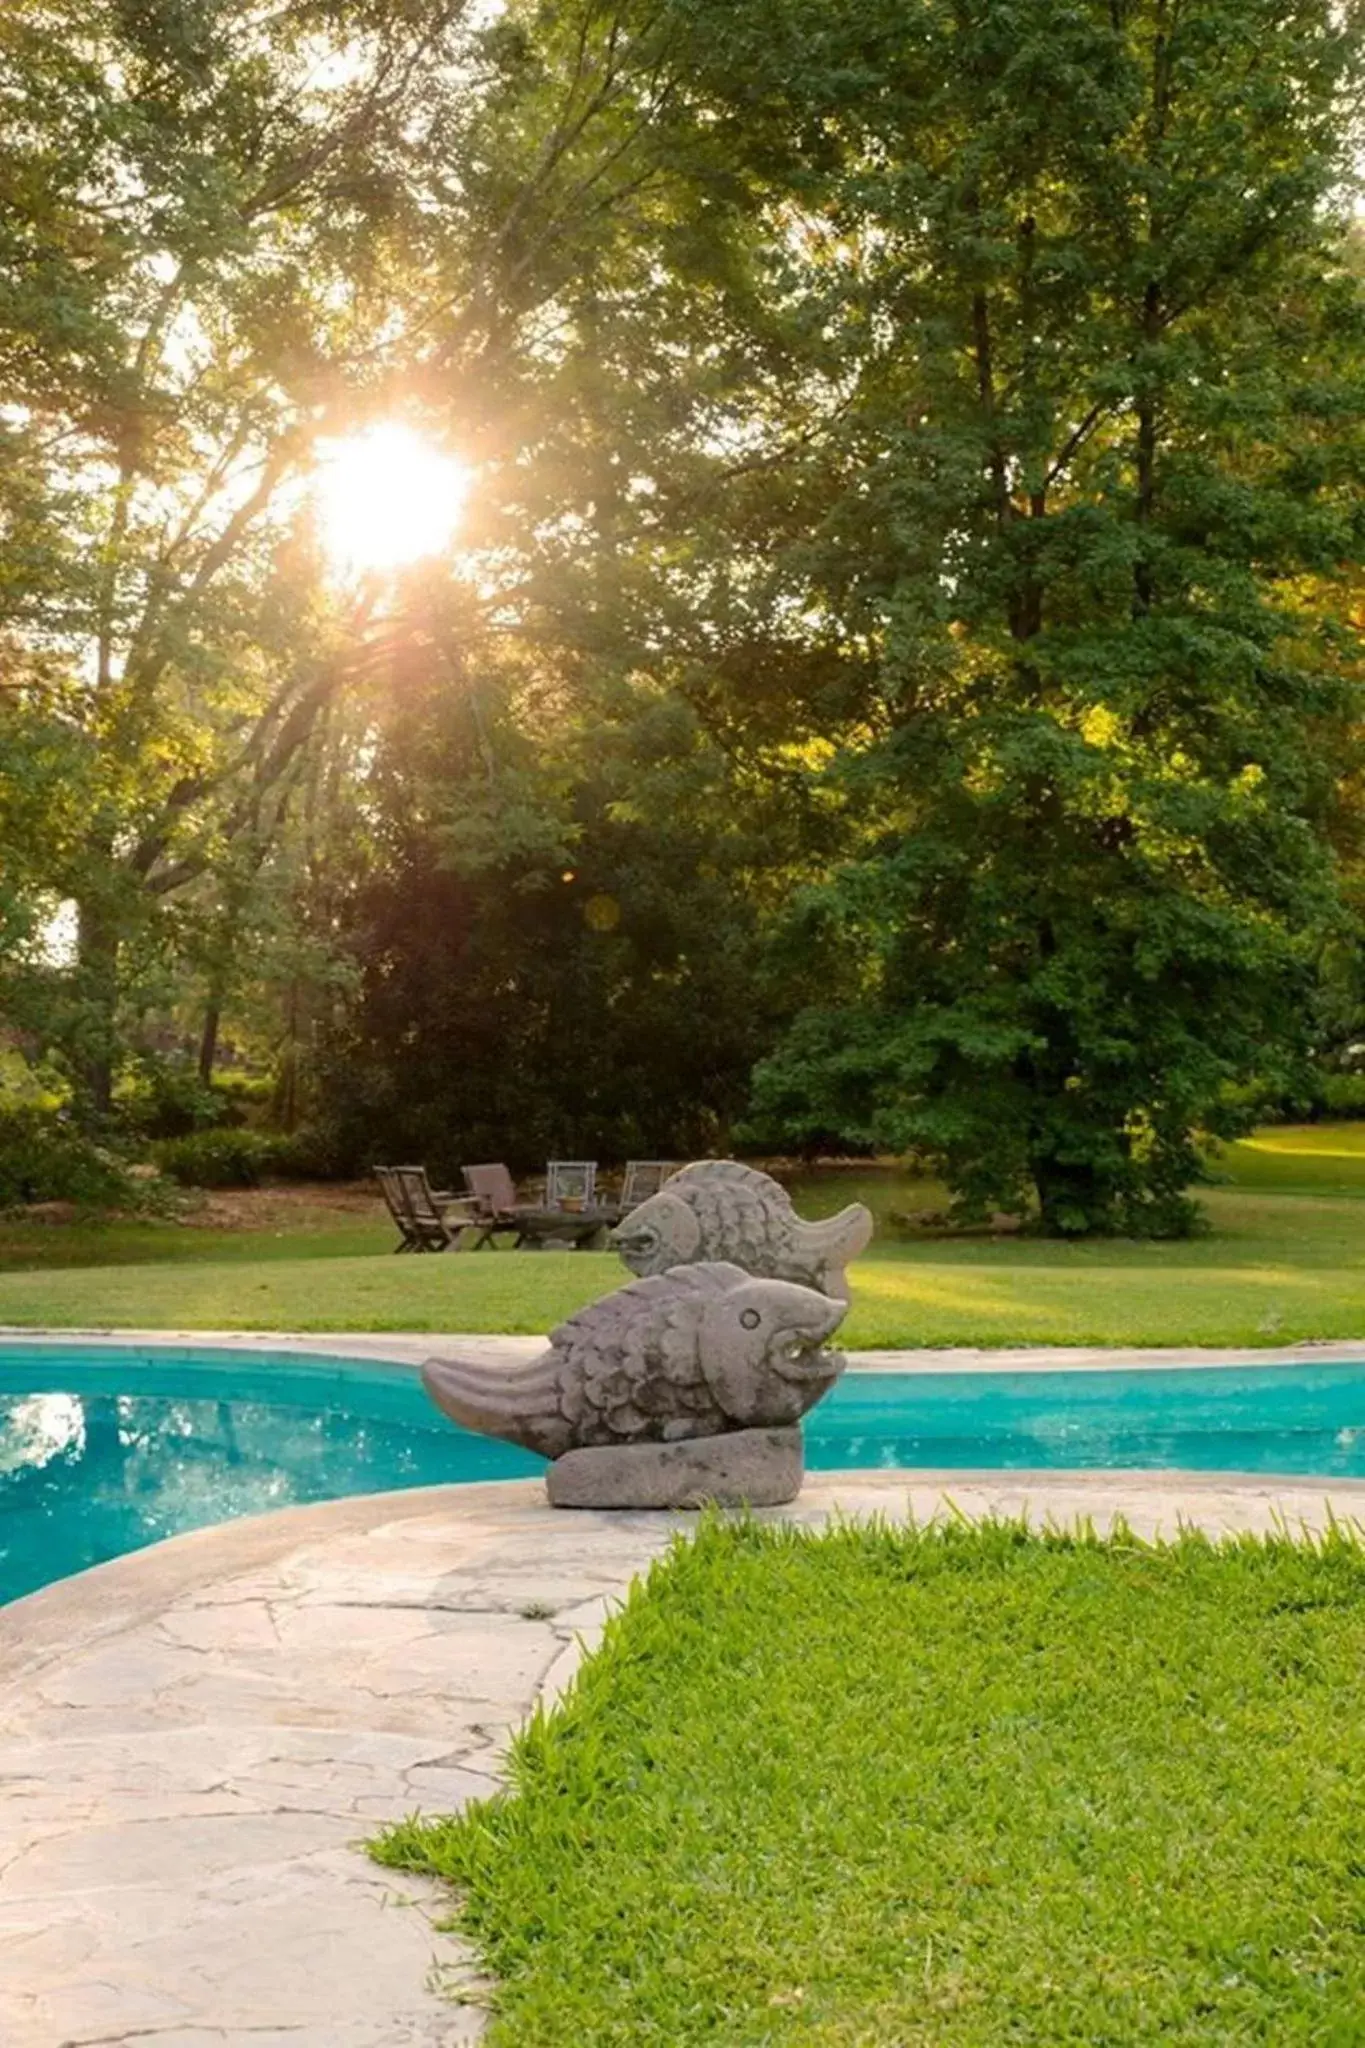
[
  {"x": 493, "y": 1193},
  {"x": 428, "y": 1219},
  {"x": 570, "y": 1181},
  {"x": 644, "y": 1177}
]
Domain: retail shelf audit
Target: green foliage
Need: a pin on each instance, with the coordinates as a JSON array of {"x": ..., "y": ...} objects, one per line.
[
  {"x": 225, "y": 246},
  {"x": 245, "y": 1092},
  {"x": 227, "y": 1156},
  {"x": 908, "y": 588},
  {"x": 170, "y": 1101},
  {"x": 949, "y": 1786},
  {"x": 558, "y": 944},
  {"x": 45, "y": 1158},
  {"x": 216, "y": 1158},
  {"x": 214, "y": 228},
  {"x": 315, "y": 1151},
  {"x": 1316, "y": 1093},
  {"x": 1343, "y": 1095},
  {"x": 1089, "y": 514}
]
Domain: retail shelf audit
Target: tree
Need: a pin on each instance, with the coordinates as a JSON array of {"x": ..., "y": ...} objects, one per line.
[
  {"x": 883, "y": 481},
  {"x": 1091, "y": 451},
  {"x": 229, "y": 236},
  {"x": 192, "y": 281},
  {"x": 556, "y": 938},
  {"x": 561, "y": 941}
]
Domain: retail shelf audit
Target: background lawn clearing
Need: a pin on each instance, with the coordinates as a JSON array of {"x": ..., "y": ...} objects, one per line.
[
  {"x": 1275, "y": 1269},
  {"x": 1284, "y": 1260},
  {"x": 289, "y": 1221},
  {"x": 954, "y": 1788}
]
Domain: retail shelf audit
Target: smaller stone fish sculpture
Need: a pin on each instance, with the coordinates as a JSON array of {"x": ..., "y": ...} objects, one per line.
[
  {"x": 721, "y": 1209},
  {"x": 694, "y": 1353}
]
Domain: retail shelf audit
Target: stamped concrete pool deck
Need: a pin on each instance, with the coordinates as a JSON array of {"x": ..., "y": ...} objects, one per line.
[{"x": 195, "y": 1739}]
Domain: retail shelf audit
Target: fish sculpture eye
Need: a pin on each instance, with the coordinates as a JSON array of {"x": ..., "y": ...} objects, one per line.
[{"x": 750, "y": 1318}]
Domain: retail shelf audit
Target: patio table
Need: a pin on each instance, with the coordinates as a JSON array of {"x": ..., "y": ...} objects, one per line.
[{"x": 538, "y": 1226}]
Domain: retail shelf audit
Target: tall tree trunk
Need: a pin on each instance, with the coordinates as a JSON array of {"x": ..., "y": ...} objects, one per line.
[
  {"x": 1151, "y": 320},
  {"x": 1145, "y": 507},
  {"x": 208, "y": 1041},
  {"x": 286, "y": 1103},
  {"x": 97, "y": 969},
  {"x": 985, "y": 387}
]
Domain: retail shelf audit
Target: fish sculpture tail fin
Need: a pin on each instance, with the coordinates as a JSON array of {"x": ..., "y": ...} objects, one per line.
[
  {"x": 837, "y": 1239},
  {"x": 517, "y": 1403}
]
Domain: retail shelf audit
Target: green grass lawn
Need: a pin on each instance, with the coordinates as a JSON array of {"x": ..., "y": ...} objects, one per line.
[
  {"x": 894, "y": 1789},
  {"x": 48, "y": 1247},
  {"x": 1284, "y": 1259},
  {"x": 1310, "y": 1159}
]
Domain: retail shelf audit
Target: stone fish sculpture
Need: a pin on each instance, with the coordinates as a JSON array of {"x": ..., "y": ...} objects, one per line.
[
  {"x": 700, "y": 1352},
  {"x": 721, "y": 1209}
]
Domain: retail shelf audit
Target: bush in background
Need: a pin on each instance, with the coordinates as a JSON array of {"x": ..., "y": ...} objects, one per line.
[
  {"x": 1343, "y": 1095},
  {"x": 168, "y": 1100},
  {"x": 1322, "y": 1096},
  {"x": 223, "y": 1158},
  {"x": 44, "y": 1158},
  {"x": 313, "y": 1152},
  {"x": 247, "y": 1095},
  {"x": 237, "y": 1158}
]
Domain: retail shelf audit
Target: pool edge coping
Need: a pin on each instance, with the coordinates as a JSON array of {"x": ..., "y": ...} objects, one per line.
[
  {"x": 413, "y": 1348},
  {"x": 160, "y": 1573}
]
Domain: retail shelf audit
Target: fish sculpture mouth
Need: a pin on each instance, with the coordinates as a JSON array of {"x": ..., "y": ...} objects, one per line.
[
  {"x": 634, "y": 1243},
  {"x": 801, "y": 1354},
  {"x": 806, "y": 1358}
]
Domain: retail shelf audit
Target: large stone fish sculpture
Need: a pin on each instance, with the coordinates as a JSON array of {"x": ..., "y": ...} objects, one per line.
[
  {"x": 721, "y": 1209},
  {"x": 698, "y": 1352}
]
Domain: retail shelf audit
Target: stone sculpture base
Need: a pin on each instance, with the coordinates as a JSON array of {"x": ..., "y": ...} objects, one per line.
[{"x": 757, "y": 1468}]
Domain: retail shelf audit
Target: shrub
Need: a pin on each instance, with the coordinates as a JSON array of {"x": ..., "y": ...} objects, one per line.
[
  {"x": 1343, "y": 1095},
  {"x": 43, "y": 1158},
  {"x": 1257, "y": 1101},
  {"x": 245, "y": 1092},
  {"x": 313, "y": 1152},
  {"x": 172, "y": 1102},
  {"x": 216, "y": 1159},
  {"x": 236, "y": 1158},
  {"x": 1320, "y": 1093}
]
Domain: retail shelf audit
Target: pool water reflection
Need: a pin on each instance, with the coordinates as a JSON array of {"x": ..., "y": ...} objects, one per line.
[{"x": 104, "y": 1450}]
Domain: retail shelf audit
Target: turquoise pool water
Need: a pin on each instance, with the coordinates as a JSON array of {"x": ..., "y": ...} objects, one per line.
[{"x": 103, "y": 1450}]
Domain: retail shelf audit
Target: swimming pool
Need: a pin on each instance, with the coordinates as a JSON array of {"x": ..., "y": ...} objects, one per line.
[{"x": 103, "y": 1450}]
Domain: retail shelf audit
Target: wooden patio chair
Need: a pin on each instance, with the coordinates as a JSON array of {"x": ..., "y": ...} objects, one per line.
[
  {"x": 493, "y": 1196},
  {"x": 570, "y": 1182},
  {"x": 644, "y": 1177},
  {"x": 428, "y": 1219}
]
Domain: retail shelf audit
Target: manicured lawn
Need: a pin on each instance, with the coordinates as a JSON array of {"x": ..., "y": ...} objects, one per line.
[
  {"x": 1285, "y": 1259},
  {"x": 246, "y": 1224},
  {"x": 1276, "y": 1268},
  {"x": 888, "y": 1789},
  {"x": 1310, "y": 1159},
  {"x": 48, "y": 1247},
  {"x": 495, "y": 1291}
]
